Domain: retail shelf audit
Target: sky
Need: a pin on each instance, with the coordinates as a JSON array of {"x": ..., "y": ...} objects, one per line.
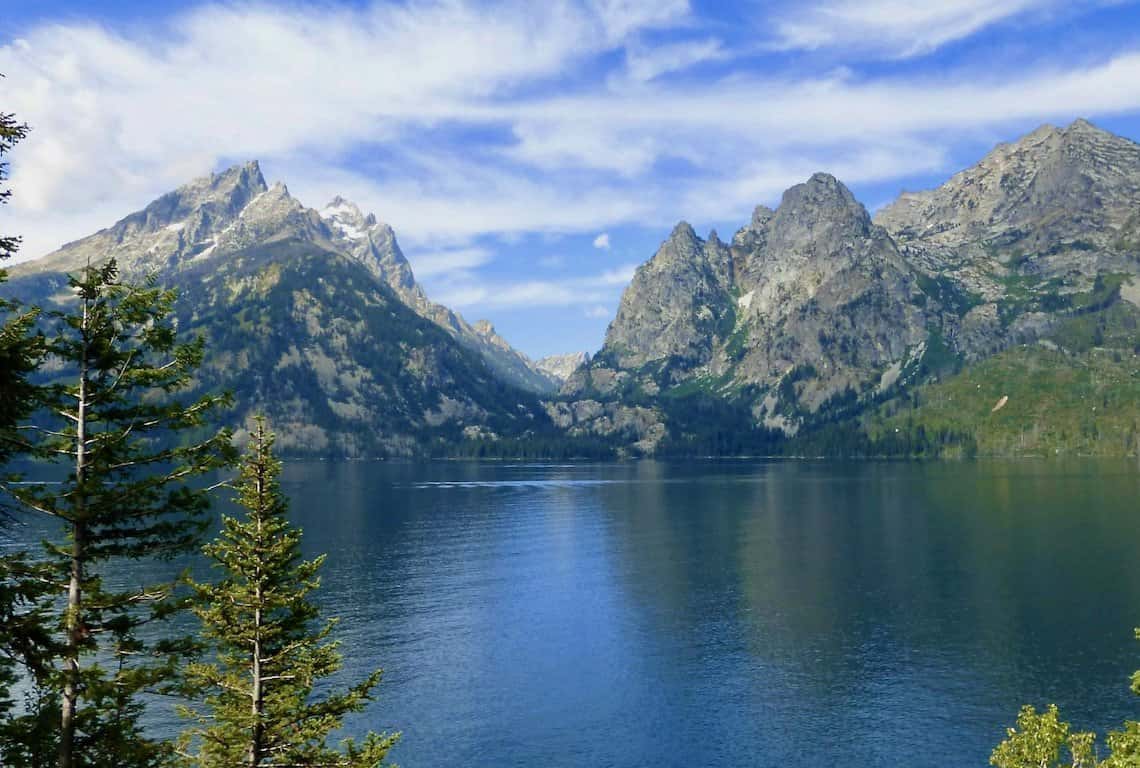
[{"x": 529, "y": 155}]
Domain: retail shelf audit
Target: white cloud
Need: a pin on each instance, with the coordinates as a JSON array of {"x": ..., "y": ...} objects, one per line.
[
  {"x": 644, "y": 63},
  {"x": 597, "y": 312},
  {"x": 589, "y": 291},
  {"x": 620, "y": 18},
  {"x": 897, "y": 28},
  {"x": 127, "y": 117},
  {"x": 602, "y": 241},
  {"x": 528, "y": 293},
  {"x": 447, "y": 262},
  {"x": 454, "y": 122}
]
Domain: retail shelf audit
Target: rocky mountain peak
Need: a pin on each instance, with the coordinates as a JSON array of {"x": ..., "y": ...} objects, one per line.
[
  {"x": 347, "y": 218},
  {"x": 820, "y": 211},
  {"x": 683, "y": 233},
  {"x": 561, "y": 367},
  {"x": 761, "y": 215},
  {"x": 1044, "y": 188},
  {"x": 219, "y": 196},
  {"x": 822, "y": 196}
]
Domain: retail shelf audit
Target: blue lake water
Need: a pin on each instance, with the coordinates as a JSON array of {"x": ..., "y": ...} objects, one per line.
[{"x": 727, "y": 613}]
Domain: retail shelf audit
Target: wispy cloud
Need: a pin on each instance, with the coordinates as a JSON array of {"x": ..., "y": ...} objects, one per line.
[
  {"x": 602, "y": 241},
  {"x": 456, "y": 120},
  {"x": 589, "y": 291},
  {"x": 448, "y": 262},
  {"x": 645, "y": 63},
  {"x": 896, "y": 28}
]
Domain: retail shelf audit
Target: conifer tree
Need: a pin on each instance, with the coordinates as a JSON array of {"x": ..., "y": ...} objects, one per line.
[
  {"x": 21, "y": 351},
  {"x": 112, "y": 416},
  {"x": 20, "y": 348},
  {"x": 270, "y": 649}
]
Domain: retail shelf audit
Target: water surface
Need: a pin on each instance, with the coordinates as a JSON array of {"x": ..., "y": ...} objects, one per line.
[{"x": 727, "y": 613}]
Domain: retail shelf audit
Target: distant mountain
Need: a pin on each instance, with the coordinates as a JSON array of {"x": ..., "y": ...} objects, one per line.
[
  {"x": 561, "y": 367},
  {"x": 814, "y": 312},
  {"x": 314, "y": 317}
]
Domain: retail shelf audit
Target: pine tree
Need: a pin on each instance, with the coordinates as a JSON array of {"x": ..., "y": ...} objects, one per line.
[
  {"x": 270, "y": 648},
  {"x": 21, "y": 351},
  {"x": 112, "y": 415},
  {"x": 20, "y": 348},
  {"x": 11, "y": 132}
]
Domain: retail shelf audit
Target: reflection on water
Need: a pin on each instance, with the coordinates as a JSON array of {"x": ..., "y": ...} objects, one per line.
[{"x": 727, "y": 613}]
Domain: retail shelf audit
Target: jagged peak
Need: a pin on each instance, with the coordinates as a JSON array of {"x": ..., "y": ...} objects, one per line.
[
  {"x": 340, "y": 207},
  {"x": 761, "y": 215},
  {"x": 244, "y": 175},
  {"x": 820, "y": 192},
  {"x": 354, "y": 223},
  {"x": 713, "y": 238},
  {"x": 238, "y": 183},
  {"x": 683, "y": 231}
]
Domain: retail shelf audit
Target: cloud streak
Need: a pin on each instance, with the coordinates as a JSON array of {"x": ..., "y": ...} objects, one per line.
[
  {"x": 456, "y": 121},
  {"x": 589, "y": 292}
]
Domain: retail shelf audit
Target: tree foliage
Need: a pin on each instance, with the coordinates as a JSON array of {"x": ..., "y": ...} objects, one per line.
[
  {"x": 261, "y": 706},
  {"x": 11, "y": 132},
  {"x": 1043, "y": 740},
  {"x": 126, "y": 448},
  {"x": 20, "y": 348}
]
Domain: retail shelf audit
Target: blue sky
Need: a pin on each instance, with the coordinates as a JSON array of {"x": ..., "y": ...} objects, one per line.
[{"x": 530, "y": 154}]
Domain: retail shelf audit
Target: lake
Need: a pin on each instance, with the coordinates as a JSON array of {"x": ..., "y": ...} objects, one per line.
[{"x": 727, "y": 613}]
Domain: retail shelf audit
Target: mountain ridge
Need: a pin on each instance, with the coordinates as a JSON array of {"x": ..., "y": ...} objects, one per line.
[
  {"x": 812, "y": 316},
  {"x": 215, "y": 215},
  {"x": 816, "y": 310}
]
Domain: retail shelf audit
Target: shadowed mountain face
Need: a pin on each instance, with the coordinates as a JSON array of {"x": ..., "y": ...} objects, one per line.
[
  {"x": 815, "y": 311},
  {"x": 313, "y": 317}
]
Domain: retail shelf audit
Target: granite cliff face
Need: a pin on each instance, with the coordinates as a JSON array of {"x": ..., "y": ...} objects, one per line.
[
  {"x": 809, "y": 303},
  {"x": 313, "y": 317}
]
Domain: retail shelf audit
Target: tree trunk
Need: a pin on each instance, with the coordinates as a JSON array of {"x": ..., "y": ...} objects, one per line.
[
  {"x": 256, "y": 746},
  {"x": 75, "y": 583}
]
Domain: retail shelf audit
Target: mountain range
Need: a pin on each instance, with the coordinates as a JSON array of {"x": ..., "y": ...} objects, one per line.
[
  {"x": 313, "y": 317},
  {"x": 815, "y": 327}
]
